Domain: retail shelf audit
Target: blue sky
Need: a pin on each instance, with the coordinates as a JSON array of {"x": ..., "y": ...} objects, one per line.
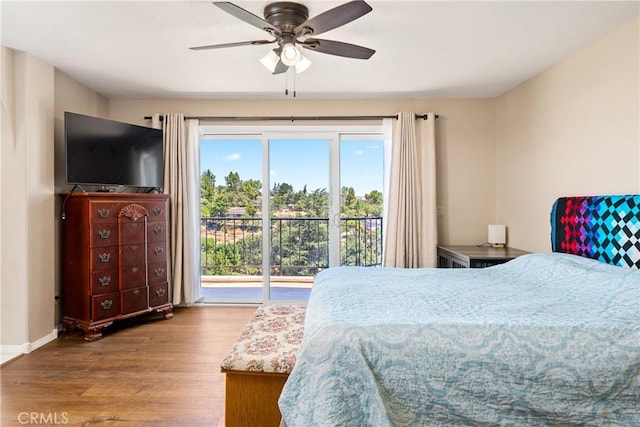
[{"x": 296, "y": 162}]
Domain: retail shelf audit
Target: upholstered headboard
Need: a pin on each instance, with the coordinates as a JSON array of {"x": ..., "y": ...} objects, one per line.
[{"x": 606, "y": 228}]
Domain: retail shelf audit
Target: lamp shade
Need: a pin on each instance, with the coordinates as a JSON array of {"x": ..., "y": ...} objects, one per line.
[
  {"x": 290, "y": 55},
  {"x": 270, "y": 61},
  {"x": 497, "y": 235},
  {"x": 302, "y": 65}
]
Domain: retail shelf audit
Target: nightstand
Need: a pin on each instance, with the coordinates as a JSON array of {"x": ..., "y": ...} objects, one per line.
[{"x": 474, "y": 256}]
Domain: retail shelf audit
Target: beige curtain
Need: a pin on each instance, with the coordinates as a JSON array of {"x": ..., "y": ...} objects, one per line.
[
  {"x": 411, "y": 228},
  {"x": 181, "y": 182}
]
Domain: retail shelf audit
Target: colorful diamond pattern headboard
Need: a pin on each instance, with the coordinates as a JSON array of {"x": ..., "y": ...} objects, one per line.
[{"x": 606, "y": 228}]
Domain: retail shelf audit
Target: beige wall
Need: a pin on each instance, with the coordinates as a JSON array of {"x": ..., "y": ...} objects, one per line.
[
  {"x": 13, "y": 243},
  {"x": 27, "y": 202},
  {"x": 465, "y": 144},
  {"x": 571, "y": 130},
  {"x": 76, "y": 98}
]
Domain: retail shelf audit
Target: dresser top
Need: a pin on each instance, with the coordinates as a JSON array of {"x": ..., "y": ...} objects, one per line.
[{"x": 116, "y": 196}]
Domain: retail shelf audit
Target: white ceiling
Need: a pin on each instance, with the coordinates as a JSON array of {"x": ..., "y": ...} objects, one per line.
[{"x": 423, "y": 48}]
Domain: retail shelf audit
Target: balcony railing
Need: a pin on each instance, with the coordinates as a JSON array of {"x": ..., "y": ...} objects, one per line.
[{"x": 299, "y": 246}]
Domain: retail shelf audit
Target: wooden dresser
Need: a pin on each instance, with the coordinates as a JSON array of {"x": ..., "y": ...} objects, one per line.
[{"x": 115, "y": 255}]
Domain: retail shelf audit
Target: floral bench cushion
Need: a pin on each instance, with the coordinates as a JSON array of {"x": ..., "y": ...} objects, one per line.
[{"x": 270, "y": 341}]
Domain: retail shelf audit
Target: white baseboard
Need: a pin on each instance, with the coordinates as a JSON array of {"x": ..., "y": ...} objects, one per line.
[
  {"x": 44, "y": 340},
  {"x": 8, "y": 352}
]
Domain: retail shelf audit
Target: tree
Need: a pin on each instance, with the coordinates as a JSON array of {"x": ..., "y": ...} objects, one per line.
[
  {"x": 348, "y": 195},
  {"x": 233, "y": 181},
  {"x": 220, "y": 205},
  {"x": 281, "y": 196},
  {"x": 315, "y": 204},
  {"x": 374, "y": 203},
  {"x": 207, "y": 192},
  {"x": 250, "y": 210},
  {"x": 374, "y": 197},
  {"x": 251, "y": 188}
]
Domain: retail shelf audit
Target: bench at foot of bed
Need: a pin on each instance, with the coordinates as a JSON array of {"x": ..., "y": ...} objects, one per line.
[{"x": 259, "y": 364}]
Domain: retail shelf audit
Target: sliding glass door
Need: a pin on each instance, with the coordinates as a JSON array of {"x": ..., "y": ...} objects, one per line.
[
  {"x": 361, "y": 201},
  {"x": 281, "y": 205},
  {"x": 231, "y": 218},
  {"x": 299, "y": 214}
]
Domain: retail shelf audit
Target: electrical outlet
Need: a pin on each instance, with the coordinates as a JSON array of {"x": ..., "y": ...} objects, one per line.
[{"x": 440, "y": 210}]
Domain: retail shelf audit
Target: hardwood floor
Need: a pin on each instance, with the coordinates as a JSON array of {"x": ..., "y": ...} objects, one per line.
[{"x": 144, "y": 372}]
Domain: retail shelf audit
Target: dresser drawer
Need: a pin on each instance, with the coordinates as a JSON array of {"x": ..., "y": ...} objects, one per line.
[
  {"x": 133, "y": 276},
  {"x": 135, "y": 300},
  {"x": 157, "y": 252},
  {"x": 132, "y": 254},
  {"x": 157, "y": 211},
  {"x": 157, "y": 272},
  {"x": 104, "y": 258},
  {"x": 103, "y": 212},
  {"x": 105, "y": 306},
  {"x": 103, "y": 282},
  {"x": 104, "y": 234},
  {"x": 158, "y": 294},
  {"x": 157, "y": 232},
  {"x": 132, "y": 231}
]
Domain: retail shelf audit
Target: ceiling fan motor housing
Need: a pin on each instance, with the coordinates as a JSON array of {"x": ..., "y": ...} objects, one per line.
[{"x": 286, "y": 15}]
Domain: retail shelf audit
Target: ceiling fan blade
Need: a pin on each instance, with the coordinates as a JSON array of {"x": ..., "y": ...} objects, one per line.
[
  {"x": 332, "y": 47},
  {"x": 246, "y": 16},
  {"x": 333, "y": 18},
  {"x": 219, "y": 46},
  {"x": 280, "y": 68}
]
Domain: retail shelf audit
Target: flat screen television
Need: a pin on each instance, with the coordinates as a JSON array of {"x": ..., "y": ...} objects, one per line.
[{"x": 108, "y": 153}]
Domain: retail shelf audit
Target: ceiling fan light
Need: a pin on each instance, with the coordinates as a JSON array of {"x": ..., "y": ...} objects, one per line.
[
  {"x": 270, "y": 61},
  {"x": 290, "y": 55},
  {"x": 303, "y": 64}
]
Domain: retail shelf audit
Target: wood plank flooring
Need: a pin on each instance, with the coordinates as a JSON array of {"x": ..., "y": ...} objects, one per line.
[{"x": 143, "y": 372}]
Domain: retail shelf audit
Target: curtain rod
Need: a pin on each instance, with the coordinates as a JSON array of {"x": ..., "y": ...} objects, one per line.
[{"x": 293, "y": 118}]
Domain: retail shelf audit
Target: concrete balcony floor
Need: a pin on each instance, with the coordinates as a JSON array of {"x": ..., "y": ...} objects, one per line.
[
  {"x": 250, "y": 287},
  {"x": 255, "y": 281}
]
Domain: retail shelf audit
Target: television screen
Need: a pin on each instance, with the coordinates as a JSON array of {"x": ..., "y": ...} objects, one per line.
[{"x": 109, "y": 153}]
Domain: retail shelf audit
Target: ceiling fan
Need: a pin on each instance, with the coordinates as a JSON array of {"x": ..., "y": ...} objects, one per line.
[{"x": 289, "y": 24}]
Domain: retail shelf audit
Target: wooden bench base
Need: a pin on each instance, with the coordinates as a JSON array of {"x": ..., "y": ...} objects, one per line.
[{"x": 252, "y": 398}]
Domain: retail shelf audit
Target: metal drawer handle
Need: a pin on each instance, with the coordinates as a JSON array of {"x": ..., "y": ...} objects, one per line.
[
  {"x": 160, "y": 292},
  {"x": 104, "y": 280},
  {"x": 136, "y": 292},
  {"x": 158, "y": 229},
  {"x": 134, "y": 247},
  {"x": 105, "y": 257},
  {"x": 157, "y": 211},
  {"x": 134, "y": 269},
  {"x": 103, "y": 213},
  {"x": 159, "y": 250},
  {"x": 106, "y": 304},
  {"x": 104, "y": 234},
  {"x": 159, "y": 271}
]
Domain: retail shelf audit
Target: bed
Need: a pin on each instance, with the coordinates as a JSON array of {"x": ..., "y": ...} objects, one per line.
[{"x": 545, "y": 339}]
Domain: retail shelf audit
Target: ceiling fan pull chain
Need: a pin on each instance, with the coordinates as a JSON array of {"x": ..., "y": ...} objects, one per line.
[
  {"x": 286, "y": 83},
  {"x": 294, "y": 84}
]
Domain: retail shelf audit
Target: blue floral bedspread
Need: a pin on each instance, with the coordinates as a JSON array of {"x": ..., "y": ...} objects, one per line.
[{"x": 545, "y": 339}]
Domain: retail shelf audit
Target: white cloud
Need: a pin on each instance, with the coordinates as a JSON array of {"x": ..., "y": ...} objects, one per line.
[
  {"x": 233, "y": 157},
  {"x": 273, "y": 173},
  {"x": 358, "y": 152}
]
